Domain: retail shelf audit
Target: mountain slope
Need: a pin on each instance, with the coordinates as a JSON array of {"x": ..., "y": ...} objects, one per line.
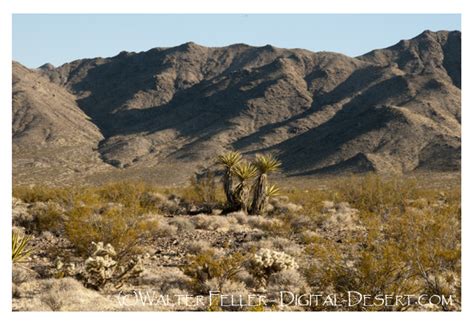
[
  {"x": 169, "y": 110},
  {"x": 51, "y": 134}
]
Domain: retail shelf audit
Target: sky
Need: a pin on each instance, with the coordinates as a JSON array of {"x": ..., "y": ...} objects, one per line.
[{"x": 61, "y": 38}]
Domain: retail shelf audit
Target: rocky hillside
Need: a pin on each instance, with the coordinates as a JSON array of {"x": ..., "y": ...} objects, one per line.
[{"x": 164, "y": 112}]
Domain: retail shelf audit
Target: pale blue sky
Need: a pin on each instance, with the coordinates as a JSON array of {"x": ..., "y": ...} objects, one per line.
[{"x": 60, "y": 38}]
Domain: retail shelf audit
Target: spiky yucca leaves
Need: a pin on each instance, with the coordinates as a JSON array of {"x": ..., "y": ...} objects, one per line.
[
  {"x": 272, "y": 191},
  {"x": 19, "y": 250},
  {"x": 244, "y": 171},
  {"x": 229, "y": 160},
  {"x": 265, "y": 164}
]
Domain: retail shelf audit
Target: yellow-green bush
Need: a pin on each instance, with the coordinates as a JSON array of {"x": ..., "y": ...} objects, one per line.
[
  {"x": 209, "y": 265},
  {"x": 49, "y": 217},
  {"x": 406, "y": 249},
  {"x": 30, "y": 194},
  {"x": 123, "y": 228}
]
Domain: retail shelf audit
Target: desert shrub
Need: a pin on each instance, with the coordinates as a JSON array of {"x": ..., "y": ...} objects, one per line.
[
  {"x": 21, "y": 216},
  {"x": 198, "y": 247},
  {"x": 162, "y": 228},
  {"x": 281, "y": 205},
  {"x": 228, "y": 287},
  {"x": 203, "y": 188},
  {"x": 120, "y": 227},
  {"x": 22, "y": 274},
  {"x": 233, "y": 294},
  {"x": 271, "y": 225},
  {"x": 174, "y": 205},
  {"x": 286, "y": 280},
  {"x": 48, "y": 217},
  {"x": 209, "y": 265},
  {"x": 282, "y": 244},
  {"x": 376, "y": 194},
  {"x": 210, "y": 222},
  {"x": 403, "y": 252},
  {"x": 165, "y": 279},
  {"x": 126, "y": 193},
  {"x": 297, "y": 223},
  {"x": 182, "y": 223},
  {"x": 31, "y": 194},
  {"x": 326, "y": 261},
  {"x": 246, "y": 277},
  {"x": 239, "y": 216},
  {"x": 69, "y": 295},
  {"x": 150, "y": 201},
  {"x": 286, "y": 245},
  {"x": 310, "y": 199},
  {"x": 340, "y": 217}
]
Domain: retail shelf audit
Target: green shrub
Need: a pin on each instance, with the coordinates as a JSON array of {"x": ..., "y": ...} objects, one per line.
[
  {"x": 49, "y": 217},
  {"x": 209, "y": 265},
  {"x": 376, "y": 194},
  {"x": 203, "y": 188},
  {"x": 123, "y": 228},
  {"x": 411, "y": 250},
  {"x": 31, "y": 194}
]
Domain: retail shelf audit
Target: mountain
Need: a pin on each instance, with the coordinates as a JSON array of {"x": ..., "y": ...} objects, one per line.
[
  {"x": 162, "y": 113},
  {"x": 53, "y": 139}
]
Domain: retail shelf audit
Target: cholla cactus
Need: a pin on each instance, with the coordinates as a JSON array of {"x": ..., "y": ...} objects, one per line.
[
  {"x": 266, "y": 262},
  {"x": 100, "y": 267},
  {"x": 62, "y": 270},
  {"x": 132, "y": 269}
]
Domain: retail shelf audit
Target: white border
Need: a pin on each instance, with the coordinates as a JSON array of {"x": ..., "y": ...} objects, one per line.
[
  {"x": 7, "y": 7},
  {"x": 241, "y": 6}
]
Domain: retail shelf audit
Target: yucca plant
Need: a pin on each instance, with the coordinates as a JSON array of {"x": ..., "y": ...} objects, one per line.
[
  {"x": 244, "y": 171},
  {"x": 229, "y": 160},
  {"x": 272, "y": 191},
  {"x": 19, "y": 247},
  {"x": 265, "y": 164}
]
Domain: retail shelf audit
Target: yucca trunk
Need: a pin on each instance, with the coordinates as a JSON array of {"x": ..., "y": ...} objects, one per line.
[
  {"x": 228, "y": 187},
  {"x": 241, "y": 196},
  {"x": 259, "y": 195}
]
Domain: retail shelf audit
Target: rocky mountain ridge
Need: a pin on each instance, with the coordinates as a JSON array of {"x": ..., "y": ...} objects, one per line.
[{"x": 167, "y": 111}]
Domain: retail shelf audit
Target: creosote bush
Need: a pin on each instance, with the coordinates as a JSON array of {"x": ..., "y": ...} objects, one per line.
[
  {"x": 203, "y": 188},
  {"x": 121, "y": 227},
  {"x": 397, "y": 247},
  {"x": 210, "y": 264},
  {"x": 49, "y": 217}
]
